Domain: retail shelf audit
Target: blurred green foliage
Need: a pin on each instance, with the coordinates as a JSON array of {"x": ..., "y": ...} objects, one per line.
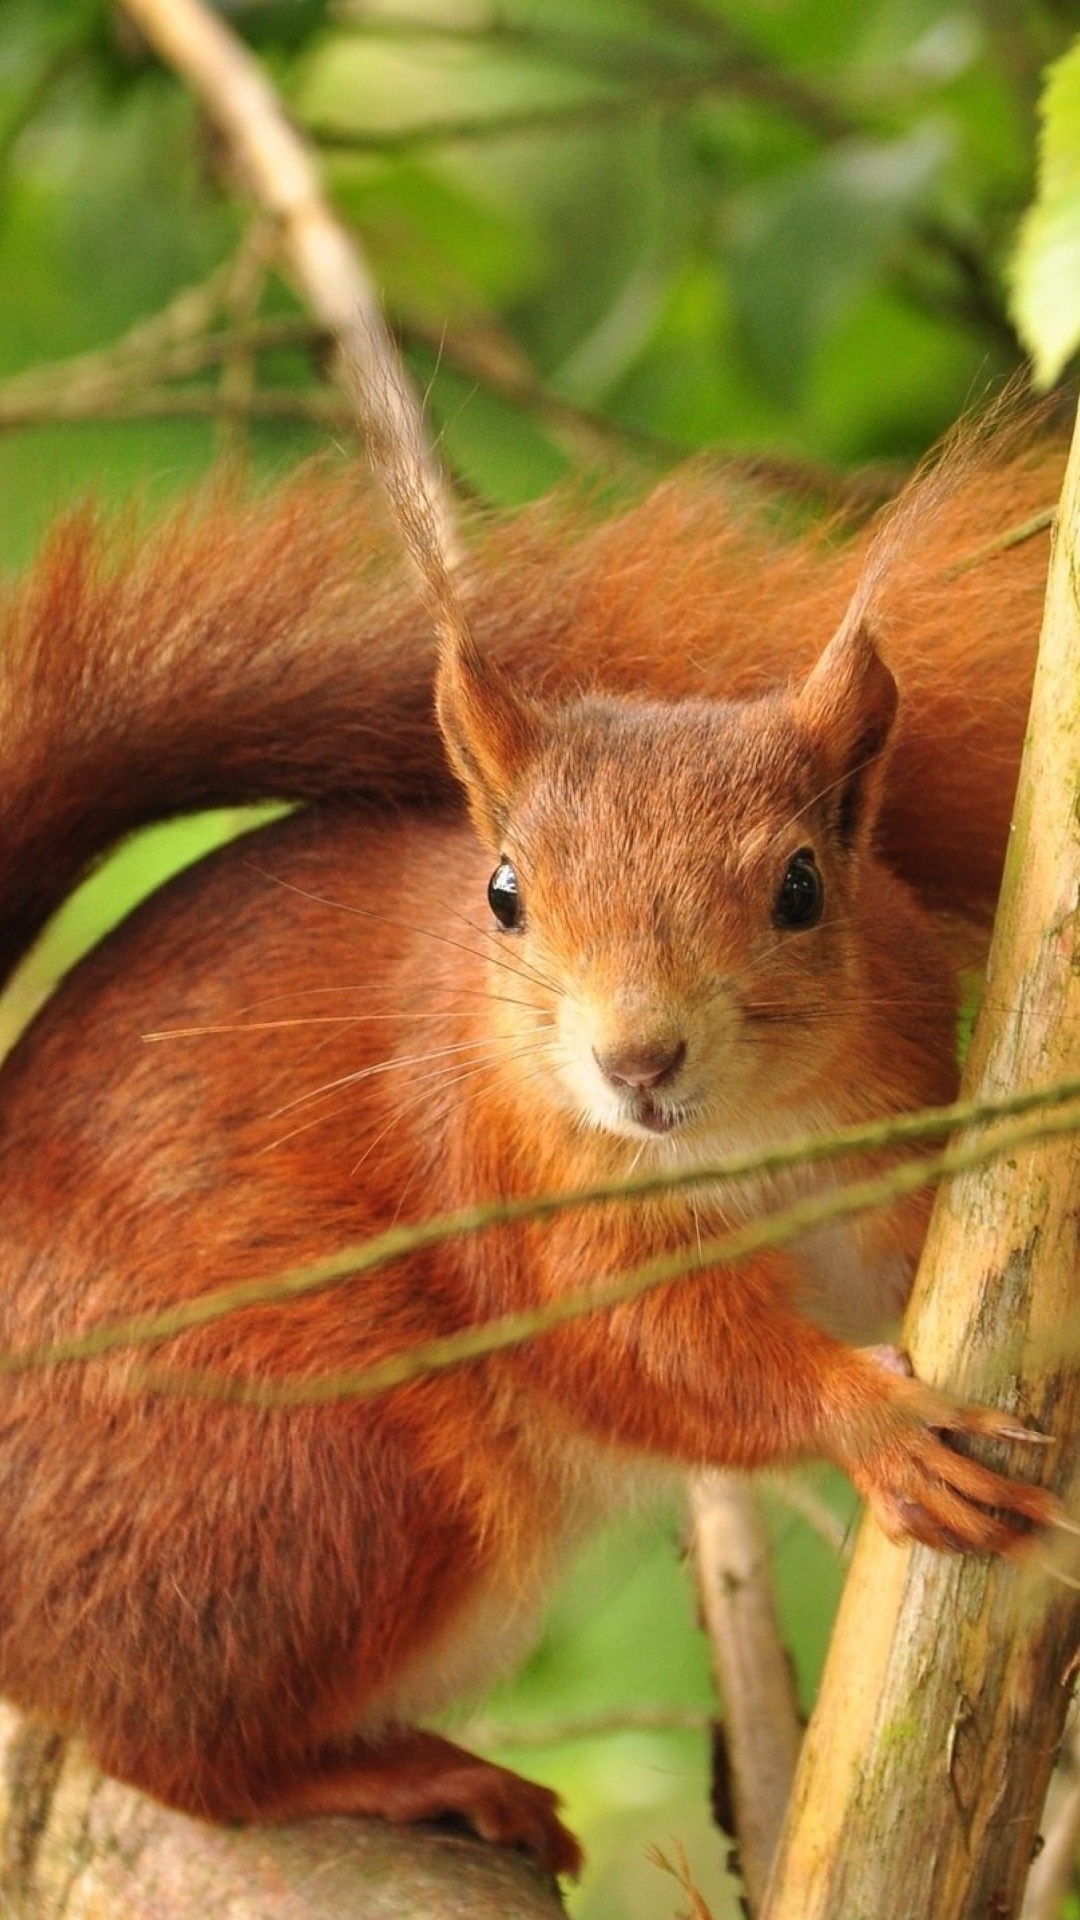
[
  {"x": 605, "y": 229},
  {"x": 608, "y": 233},
  {"x": 1046, "y": 264}
]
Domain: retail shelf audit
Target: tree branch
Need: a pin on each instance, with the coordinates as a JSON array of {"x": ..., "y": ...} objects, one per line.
[
  {"x": 513, "y": 1329},
  {"x": 1054, "y": 1871},
  {"x": 948, "y": 1681},
  {"x": 74, "y": 1842},
  {"x": 281, "y": 178},
  {"x": 761, "y": 1727}
]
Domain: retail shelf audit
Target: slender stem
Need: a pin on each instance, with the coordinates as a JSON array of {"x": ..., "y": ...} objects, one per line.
[
  {"x": 281, "y": 178},
  {"x": 768, "y": 1231},
  {"x": 754, "y": 1677}
]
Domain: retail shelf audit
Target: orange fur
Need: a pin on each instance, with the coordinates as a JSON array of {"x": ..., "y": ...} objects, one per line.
[
  {"x": 244, "y": 1611},
  {"x": 289, "y": 625}
]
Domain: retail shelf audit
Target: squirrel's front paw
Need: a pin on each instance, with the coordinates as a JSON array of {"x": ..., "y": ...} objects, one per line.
[{"x": 921, "y": 1487}]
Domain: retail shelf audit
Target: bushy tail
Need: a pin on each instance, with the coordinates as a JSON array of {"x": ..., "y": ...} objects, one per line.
[
  {"x": 239, "y": 651},
  {"x": 244, "y": 651}
]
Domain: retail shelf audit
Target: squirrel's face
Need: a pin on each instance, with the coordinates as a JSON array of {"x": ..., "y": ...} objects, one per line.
[
  {"x": 681, "y": 889},
  {"x": 676, "y": 894}
]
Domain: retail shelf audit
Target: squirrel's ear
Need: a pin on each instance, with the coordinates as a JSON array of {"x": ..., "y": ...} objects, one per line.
[
  {"x": 847, "y": 706},
  {"x": 490, "y": 731}
]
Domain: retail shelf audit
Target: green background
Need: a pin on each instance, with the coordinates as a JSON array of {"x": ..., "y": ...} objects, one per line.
[{"x": 609, "y": 234}]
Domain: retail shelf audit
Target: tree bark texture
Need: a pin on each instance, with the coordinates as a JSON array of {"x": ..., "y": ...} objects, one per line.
[
  {"x": 755, "y": 1680},
  {"x": 77, "y": 1846},
  {"x": 926, "y": 1764}
]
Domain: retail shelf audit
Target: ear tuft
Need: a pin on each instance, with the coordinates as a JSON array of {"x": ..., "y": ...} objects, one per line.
[
  {"x": 847, "y": 706},
  {"x": 491, "y": 732}
]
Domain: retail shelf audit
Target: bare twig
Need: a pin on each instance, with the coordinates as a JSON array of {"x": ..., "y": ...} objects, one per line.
[
  {"x": 494, "y": 361},
  {"x": 761, "y": 1725},
  {"x": 174, "y": 403},
  {"x": 281, "y": 178},
  {"x": 665, "y": 95},
  {"x": 482, "y": 1732},
  {"x": 710, "y": 59},
  {"x": 241, "y": 299},
  {"x": 1012, "y": 537},
  {"x": 1054, "y": 1870},
  {"x": 179, "y": 339},
  {"x": 770, "y": 1230}
]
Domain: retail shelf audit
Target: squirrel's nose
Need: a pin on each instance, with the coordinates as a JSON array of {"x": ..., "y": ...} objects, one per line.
[{"x": 642, "y": 1067}]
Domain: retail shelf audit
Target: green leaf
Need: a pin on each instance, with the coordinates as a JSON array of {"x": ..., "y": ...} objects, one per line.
[
  {"x": 1045, "y": 269},
  {"x": 502, "y": 455},
  {"x": 811, "y": 244},
  {"x": 441, "y": 247},
  {"x": 375, "y": 88}
]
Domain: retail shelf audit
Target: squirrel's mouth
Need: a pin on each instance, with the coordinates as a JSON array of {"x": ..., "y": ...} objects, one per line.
[{"x": 654, "y": 1115}]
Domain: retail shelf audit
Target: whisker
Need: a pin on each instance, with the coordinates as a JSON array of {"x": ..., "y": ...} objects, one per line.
[
  {"x": 498, "y": 1050},
  {"x": 516, "y": 961},
  {"x": 637, "y": 1159},
  {"x": 497, "y": 952},
  {"x": 777, "y": 1013},
  {"x": 336, "y": 1019},
  {"x": 412, "y": 927},
  {"x": 483, "y": 1066},
  {"x": 823, "y": 793},
  {"x": 273, "y": 1026},
  {"x": 490, "y": 1043},
  {"x": 695, "y": 1216}
]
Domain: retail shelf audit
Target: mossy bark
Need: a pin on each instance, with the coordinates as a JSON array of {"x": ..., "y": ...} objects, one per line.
[
  {"x": 926, "y": 1764},
  {"x": 77, "y": 1846}
]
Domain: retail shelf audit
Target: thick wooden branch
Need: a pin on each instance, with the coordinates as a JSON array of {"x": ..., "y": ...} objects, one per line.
[
  {"x": 925, "y": 1767},
  {"x": 77, "y": 1846}
]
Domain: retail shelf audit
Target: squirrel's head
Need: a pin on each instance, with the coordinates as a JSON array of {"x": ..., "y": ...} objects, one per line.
[{"x": 681, "y": 889}]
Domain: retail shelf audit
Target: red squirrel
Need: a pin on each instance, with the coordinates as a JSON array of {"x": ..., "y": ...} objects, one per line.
[{"x": 681, "y": 922}]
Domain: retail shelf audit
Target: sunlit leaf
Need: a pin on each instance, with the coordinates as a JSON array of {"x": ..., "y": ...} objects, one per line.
[
  {"x": 1046, "y": 265},
  {"x": 811, "y": 243}
]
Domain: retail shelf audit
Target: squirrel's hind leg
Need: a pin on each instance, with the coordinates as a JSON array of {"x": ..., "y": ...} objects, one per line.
[{"x": 408, "y": 1775}]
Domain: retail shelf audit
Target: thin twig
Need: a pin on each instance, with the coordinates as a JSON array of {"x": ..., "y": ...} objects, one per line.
[
  {"x": 625, "y": 103},
  {"x": 754, "y": 1677},
  {"x": 802, "y": 1499},
  {"x": 242, "y": 293},
  {"x": 1054, "y": 1870},
  {"x": 771, "y": 1230},
  {"x": 281, "y": 178},
  {"x": 712, "y": 59},
  {"x": 641, "y": 1718},
  {"x": 514, "y": 1329},
  {"x": 323, "y": 409},
  {"x": 1012, "y": 537}
]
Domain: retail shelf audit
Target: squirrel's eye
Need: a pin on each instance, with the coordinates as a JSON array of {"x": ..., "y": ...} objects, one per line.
[
  {"x": 802, "y": 893},
  {"x": 503, "y": 896}
]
